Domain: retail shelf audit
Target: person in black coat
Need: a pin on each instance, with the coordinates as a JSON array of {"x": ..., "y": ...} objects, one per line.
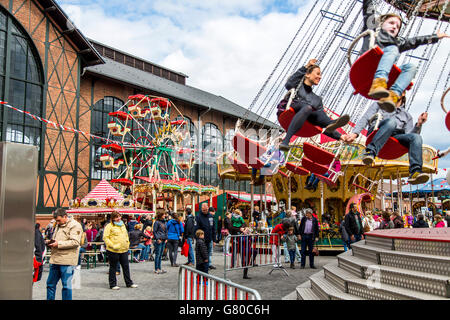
[
  {"x": 205, "y": 222},
  {"x": 420, "y": 223},
  {"x": 353, "y": 225},
  {"x": 190, "y": 226},
  {"x": 39, "y": 249},
  {"x": 201, "y": 252},
  {"x": 309, "y": 232},
  {"x": 308, "y": 106}
]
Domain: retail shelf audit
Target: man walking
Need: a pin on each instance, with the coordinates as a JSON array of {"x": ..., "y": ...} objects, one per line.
[
  {"x": 205, "y": 222},
  {"x": 65, "y": 246}
]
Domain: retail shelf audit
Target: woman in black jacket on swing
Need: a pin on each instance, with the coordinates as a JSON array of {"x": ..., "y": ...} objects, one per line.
[{"x": 308, "y": 106}]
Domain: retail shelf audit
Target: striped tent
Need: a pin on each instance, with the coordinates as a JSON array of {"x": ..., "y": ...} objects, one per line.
[{"x": 104, "y": 191}]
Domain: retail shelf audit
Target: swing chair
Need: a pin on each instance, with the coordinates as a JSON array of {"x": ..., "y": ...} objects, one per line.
[
  {"x": 285, "y": 118},
  {"x": 370, "y": 183},
  {"x": 392, "y": 149},
  {"x": 362, "y": 71},
  {"x": 248, "y": 150},
  {"x": 447, "y": 117}
]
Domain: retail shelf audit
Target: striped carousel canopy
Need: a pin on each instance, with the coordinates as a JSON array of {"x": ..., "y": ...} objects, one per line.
[{"x": 104, "y": 191}]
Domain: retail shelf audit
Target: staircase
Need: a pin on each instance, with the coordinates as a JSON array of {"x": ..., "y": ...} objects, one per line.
[{"x": 398, "y": 264}]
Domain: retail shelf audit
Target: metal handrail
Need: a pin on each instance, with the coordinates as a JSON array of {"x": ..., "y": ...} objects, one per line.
[{"x": 210, "y": 287}]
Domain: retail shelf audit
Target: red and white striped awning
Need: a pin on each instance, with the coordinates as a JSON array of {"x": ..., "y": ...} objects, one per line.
[{"x": 104, "y": 191}]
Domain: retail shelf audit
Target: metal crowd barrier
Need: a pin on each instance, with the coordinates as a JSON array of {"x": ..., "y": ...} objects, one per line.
[
  {"x": 253, "y": 250},
  {"x": 197, "y": 285}
]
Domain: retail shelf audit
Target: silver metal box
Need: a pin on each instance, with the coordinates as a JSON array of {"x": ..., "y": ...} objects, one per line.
[{"x": 18, "y": 179}]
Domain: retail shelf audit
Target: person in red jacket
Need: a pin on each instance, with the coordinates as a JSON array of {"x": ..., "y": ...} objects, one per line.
[{"x": 275, "y": 241}]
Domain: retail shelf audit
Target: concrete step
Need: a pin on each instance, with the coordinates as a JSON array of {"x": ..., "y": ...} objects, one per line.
[
  {"x": 371, "y": 288},
  {"x": 409, "y": 279},
  {"x": 306, "y": 294},
  {"x": 326, "y": 290},
  {"x": 403, "y": 260}
]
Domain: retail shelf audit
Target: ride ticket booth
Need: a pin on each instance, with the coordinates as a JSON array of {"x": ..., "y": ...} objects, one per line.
[{"x": 18, "y": 181}]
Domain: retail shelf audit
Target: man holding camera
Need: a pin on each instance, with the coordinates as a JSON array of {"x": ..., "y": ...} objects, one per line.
[{"x": 65, "y": 246}]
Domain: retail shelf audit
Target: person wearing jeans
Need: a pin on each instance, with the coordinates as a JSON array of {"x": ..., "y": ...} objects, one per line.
[
  {"x": 399, "y": 125},
  {"x": 64, "y": 244},
  {"x": 386, "y": 29},
  {"x": 175, "y": 232},
  {"x": 160, "y": 235},
  {"x": 389, "y": 58}
]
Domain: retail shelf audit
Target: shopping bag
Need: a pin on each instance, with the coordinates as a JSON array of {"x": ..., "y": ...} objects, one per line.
[{"x": 185, "y": 249}]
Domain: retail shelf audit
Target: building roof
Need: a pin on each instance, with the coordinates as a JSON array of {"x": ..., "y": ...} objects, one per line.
[
  {"x": 51, "y": 9},
  {"x": 144, "y": 80},
  {"x": 95, "y": 42}
]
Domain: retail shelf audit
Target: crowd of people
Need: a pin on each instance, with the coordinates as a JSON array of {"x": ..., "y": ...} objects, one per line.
[
  {"x": 120, "y": 237},
  {"x": 148, "y": 238}
]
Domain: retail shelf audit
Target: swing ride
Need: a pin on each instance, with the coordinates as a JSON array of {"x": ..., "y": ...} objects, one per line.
[
  {"x": 149, "y": 153},
  {"x": 344, "y": 89}
]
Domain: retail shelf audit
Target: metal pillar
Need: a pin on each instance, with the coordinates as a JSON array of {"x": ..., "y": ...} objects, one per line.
[
  {"x": 18, "y": 182},
  {"x": 289, "y": 194}
]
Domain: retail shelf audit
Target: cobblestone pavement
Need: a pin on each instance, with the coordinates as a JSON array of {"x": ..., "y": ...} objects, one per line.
[{"x": 94, "y": 282}]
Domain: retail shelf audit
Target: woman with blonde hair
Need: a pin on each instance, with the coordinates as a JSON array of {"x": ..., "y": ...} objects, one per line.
[{"x": 117, "y": 244}]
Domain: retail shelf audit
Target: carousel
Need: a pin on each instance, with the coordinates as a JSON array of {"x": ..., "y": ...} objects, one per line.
[
  {"x": 339, "y": 176},
  {"x": 149, "y": 155}
]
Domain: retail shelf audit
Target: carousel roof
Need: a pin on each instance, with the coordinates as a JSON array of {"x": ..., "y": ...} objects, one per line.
[
  {"x": 103, "y": 191},
  {"x": 108, "y": 210}
]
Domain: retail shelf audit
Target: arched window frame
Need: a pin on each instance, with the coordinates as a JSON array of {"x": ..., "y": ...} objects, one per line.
[
  {"x": 21, "y": 83},
  {"x": 211, "y": 145}
]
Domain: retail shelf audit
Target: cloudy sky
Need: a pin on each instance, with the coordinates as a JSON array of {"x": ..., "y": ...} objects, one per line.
[{"x": 225, "y": 47}]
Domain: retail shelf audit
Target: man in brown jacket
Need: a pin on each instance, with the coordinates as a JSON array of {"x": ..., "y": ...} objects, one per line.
[{"x": 65, "y": 246}]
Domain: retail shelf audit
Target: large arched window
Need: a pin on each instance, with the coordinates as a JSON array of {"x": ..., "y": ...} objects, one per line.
[
  {"x": 21, "y": 83},
  {"x": 99, "y": 127},
  {"x": 189, "y": 143},
  {"x": 211, "y": 147}
]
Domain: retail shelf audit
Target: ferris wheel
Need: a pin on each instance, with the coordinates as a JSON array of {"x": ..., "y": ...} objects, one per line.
[{"x": 143, "y": 142}]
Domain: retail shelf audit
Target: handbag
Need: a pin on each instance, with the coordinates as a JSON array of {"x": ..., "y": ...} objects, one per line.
[{"x": 185, "y": 249}]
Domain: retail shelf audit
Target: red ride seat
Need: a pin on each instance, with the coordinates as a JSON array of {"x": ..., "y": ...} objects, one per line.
[
  {"x": 248, "y": 150},
  {"x": 363, "y": 70},
  {"x": 315, "y": 168},
  {"x": 238, "y": 165},
  {"x": 308, "y": 130},
  {"x": 393, "y": 149},
  {"x": 296, "y": 169},
  {"x": 326, "y": 180},
  {"x": 317, "y": 154}
]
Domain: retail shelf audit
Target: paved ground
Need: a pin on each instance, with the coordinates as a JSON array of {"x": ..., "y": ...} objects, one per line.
[{"x": 94, "y": 282}]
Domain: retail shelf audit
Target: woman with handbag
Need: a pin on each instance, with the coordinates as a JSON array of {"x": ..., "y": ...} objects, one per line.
[{"x": 174, "y": 235}]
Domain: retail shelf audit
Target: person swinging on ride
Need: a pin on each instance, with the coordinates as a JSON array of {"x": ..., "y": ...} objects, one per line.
[
  {"x": 308, "y": 106},
  {"x": 397, "y": 124},
  {"x": 387, "y": 28}
]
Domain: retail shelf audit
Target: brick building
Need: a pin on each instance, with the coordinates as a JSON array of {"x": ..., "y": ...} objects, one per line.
[{"x": 47, "y": 67}]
